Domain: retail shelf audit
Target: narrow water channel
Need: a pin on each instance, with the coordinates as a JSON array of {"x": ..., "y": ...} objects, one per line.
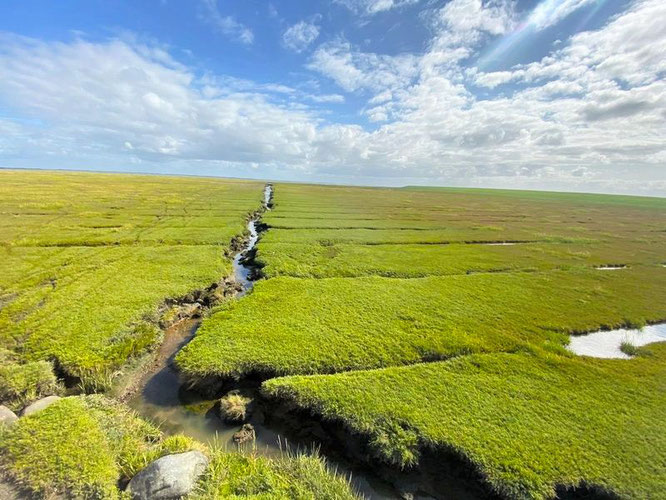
[{"x": 161, "y": 398}]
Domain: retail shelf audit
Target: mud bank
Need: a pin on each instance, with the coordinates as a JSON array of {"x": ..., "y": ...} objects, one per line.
[{"x": 440, "y": 473}]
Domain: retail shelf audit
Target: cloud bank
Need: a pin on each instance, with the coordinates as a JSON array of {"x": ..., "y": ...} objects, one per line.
[{"x": 590, "y": 115}]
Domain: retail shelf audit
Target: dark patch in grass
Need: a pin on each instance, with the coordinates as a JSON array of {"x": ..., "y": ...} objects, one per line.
[
  {"x": 441, "y": 473},
  {"x": 584, "y": 492}
]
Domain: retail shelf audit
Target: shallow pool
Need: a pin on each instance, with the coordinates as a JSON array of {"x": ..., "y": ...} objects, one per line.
[{"x": 606, "y": 344}]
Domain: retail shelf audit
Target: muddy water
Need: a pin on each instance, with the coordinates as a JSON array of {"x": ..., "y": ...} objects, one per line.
[
  {"x": 606, "y": 344},
  {"x": 163, "y": 400}
]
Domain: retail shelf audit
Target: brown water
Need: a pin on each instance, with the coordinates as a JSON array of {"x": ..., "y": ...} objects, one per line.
[{"x": 162, "y": 399}]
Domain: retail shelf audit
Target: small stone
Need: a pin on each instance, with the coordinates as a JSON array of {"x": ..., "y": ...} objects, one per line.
[
  {"x": 7, "y": 417},
  {"x": 39, "y": 405},
  {"x": 245, "y": 434},
  {"x": 169, "y": 477}
]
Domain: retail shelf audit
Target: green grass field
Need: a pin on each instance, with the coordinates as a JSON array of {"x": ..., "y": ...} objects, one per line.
[
  {"x": 362, "y": 283},
  {"x": 527, "y": 423},
  {"x": 393, "y": 312},
  {"x": 88, "y": 258}
]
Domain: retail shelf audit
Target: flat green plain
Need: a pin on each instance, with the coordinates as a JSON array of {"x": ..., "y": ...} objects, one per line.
[
  {"x": 421, "y": 319},
  {"x": 397, "y": 313}
]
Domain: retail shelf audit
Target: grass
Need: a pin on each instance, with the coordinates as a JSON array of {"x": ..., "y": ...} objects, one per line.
[
  {"x": 293, "y": 476},
  {"x": 414, "y": 260},
  {"x": 364, "y": 285},
  {"x": 87, "y": 260},
  {"x": 381, "y": 308},
  {"x": 528, "y": 423},
  {"x": 628, "y": 348},
  {"x": 82, "y": 447},
  {"x": 233, "y": 407},
  {"x": 21, "y": 384},
  {"x": 79, "y": 446},
  {"x": 342, "y": 324}
]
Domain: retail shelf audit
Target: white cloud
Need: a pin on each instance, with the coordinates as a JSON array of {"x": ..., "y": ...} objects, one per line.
[
  {"x": 107, "y": 95},
  {"x": 551, "y": 12},
  {"x": 227, "y": 25},
  {"x": 370, "y": 7},
  {"x": 590, "y": 116},
  {"x": 299, "y": 36},
  {"x": 492, "y": 80},
  {"x": 354, "y": 70},
  {"x": 331, "y": 98},
  {"x": 468, "y": 17}
]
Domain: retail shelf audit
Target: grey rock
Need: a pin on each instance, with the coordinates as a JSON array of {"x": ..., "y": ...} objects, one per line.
[
  {"x": 39, "y": 405},
  {"x": 7, "y": 417},
  {"x": 169, "y": 477}
]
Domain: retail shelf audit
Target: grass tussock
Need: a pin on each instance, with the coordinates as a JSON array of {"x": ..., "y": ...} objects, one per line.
[
  {"x": 234, "y": 407},
  {"x": 22, "y": 383},
  {"x": 307, "y": 477},
  {"x": 628, "y": 348}
]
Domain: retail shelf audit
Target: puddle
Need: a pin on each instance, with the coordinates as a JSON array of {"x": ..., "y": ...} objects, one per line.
[
  {"x": 500, "y": 244},
  {"x": 611, "y": 268},
  {"x": 164, "y": 401},
  {"x": 606, "y": 344}
]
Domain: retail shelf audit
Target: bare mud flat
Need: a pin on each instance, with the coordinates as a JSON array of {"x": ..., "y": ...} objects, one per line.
[{"x": 606, "y": 344}]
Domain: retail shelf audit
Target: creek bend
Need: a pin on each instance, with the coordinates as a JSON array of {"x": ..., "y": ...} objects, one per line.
[{"x": 161, "y": 397}]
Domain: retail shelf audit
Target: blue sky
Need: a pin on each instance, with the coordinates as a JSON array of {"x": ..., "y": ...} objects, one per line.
[{"x": 551, "y": 94}]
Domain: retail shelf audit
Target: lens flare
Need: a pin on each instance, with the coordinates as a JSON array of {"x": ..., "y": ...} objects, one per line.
[{"x": 545, "y": 14}]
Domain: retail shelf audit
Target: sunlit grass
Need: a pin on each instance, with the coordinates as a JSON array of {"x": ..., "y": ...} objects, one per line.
[{"x": 87, "y": 259}]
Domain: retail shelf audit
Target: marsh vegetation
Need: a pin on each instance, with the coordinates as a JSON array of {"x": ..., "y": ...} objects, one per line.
[{"x": 422, "y": 334}]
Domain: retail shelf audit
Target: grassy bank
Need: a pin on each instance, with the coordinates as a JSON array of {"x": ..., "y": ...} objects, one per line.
[
  {"x": 527, "y": 423},
  {"x": 351, "y": 324},
  {"x": 414, "y": 261},
  {"x": 83, "y": 447}
]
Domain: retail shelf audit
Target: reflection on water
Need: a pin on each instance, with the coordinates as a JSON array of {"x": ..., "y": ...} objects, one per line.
[
  {"x": 175, "y": 409},
  {"x": 164, "y": 401},
  {"x": 606, "y": 344}
]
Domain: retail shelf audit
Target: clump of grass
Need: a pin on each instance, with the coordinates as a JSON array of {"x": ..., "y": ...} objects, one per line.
[
  {"x": 236, "y": 475},
  {"x": 628, "y": 348},
  {"x": 396, "y": 443},
  {"x": 21, "y": 384},
  {"x": 234, "y": 407}
]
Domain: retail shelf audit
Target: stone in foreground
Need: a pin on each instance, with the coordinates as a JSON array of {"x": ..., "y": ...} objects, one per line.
[
  {"x": 7, "y": 417},
  {"x": 169, "y": 477},
  {"x": 38, "y": 405}
]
